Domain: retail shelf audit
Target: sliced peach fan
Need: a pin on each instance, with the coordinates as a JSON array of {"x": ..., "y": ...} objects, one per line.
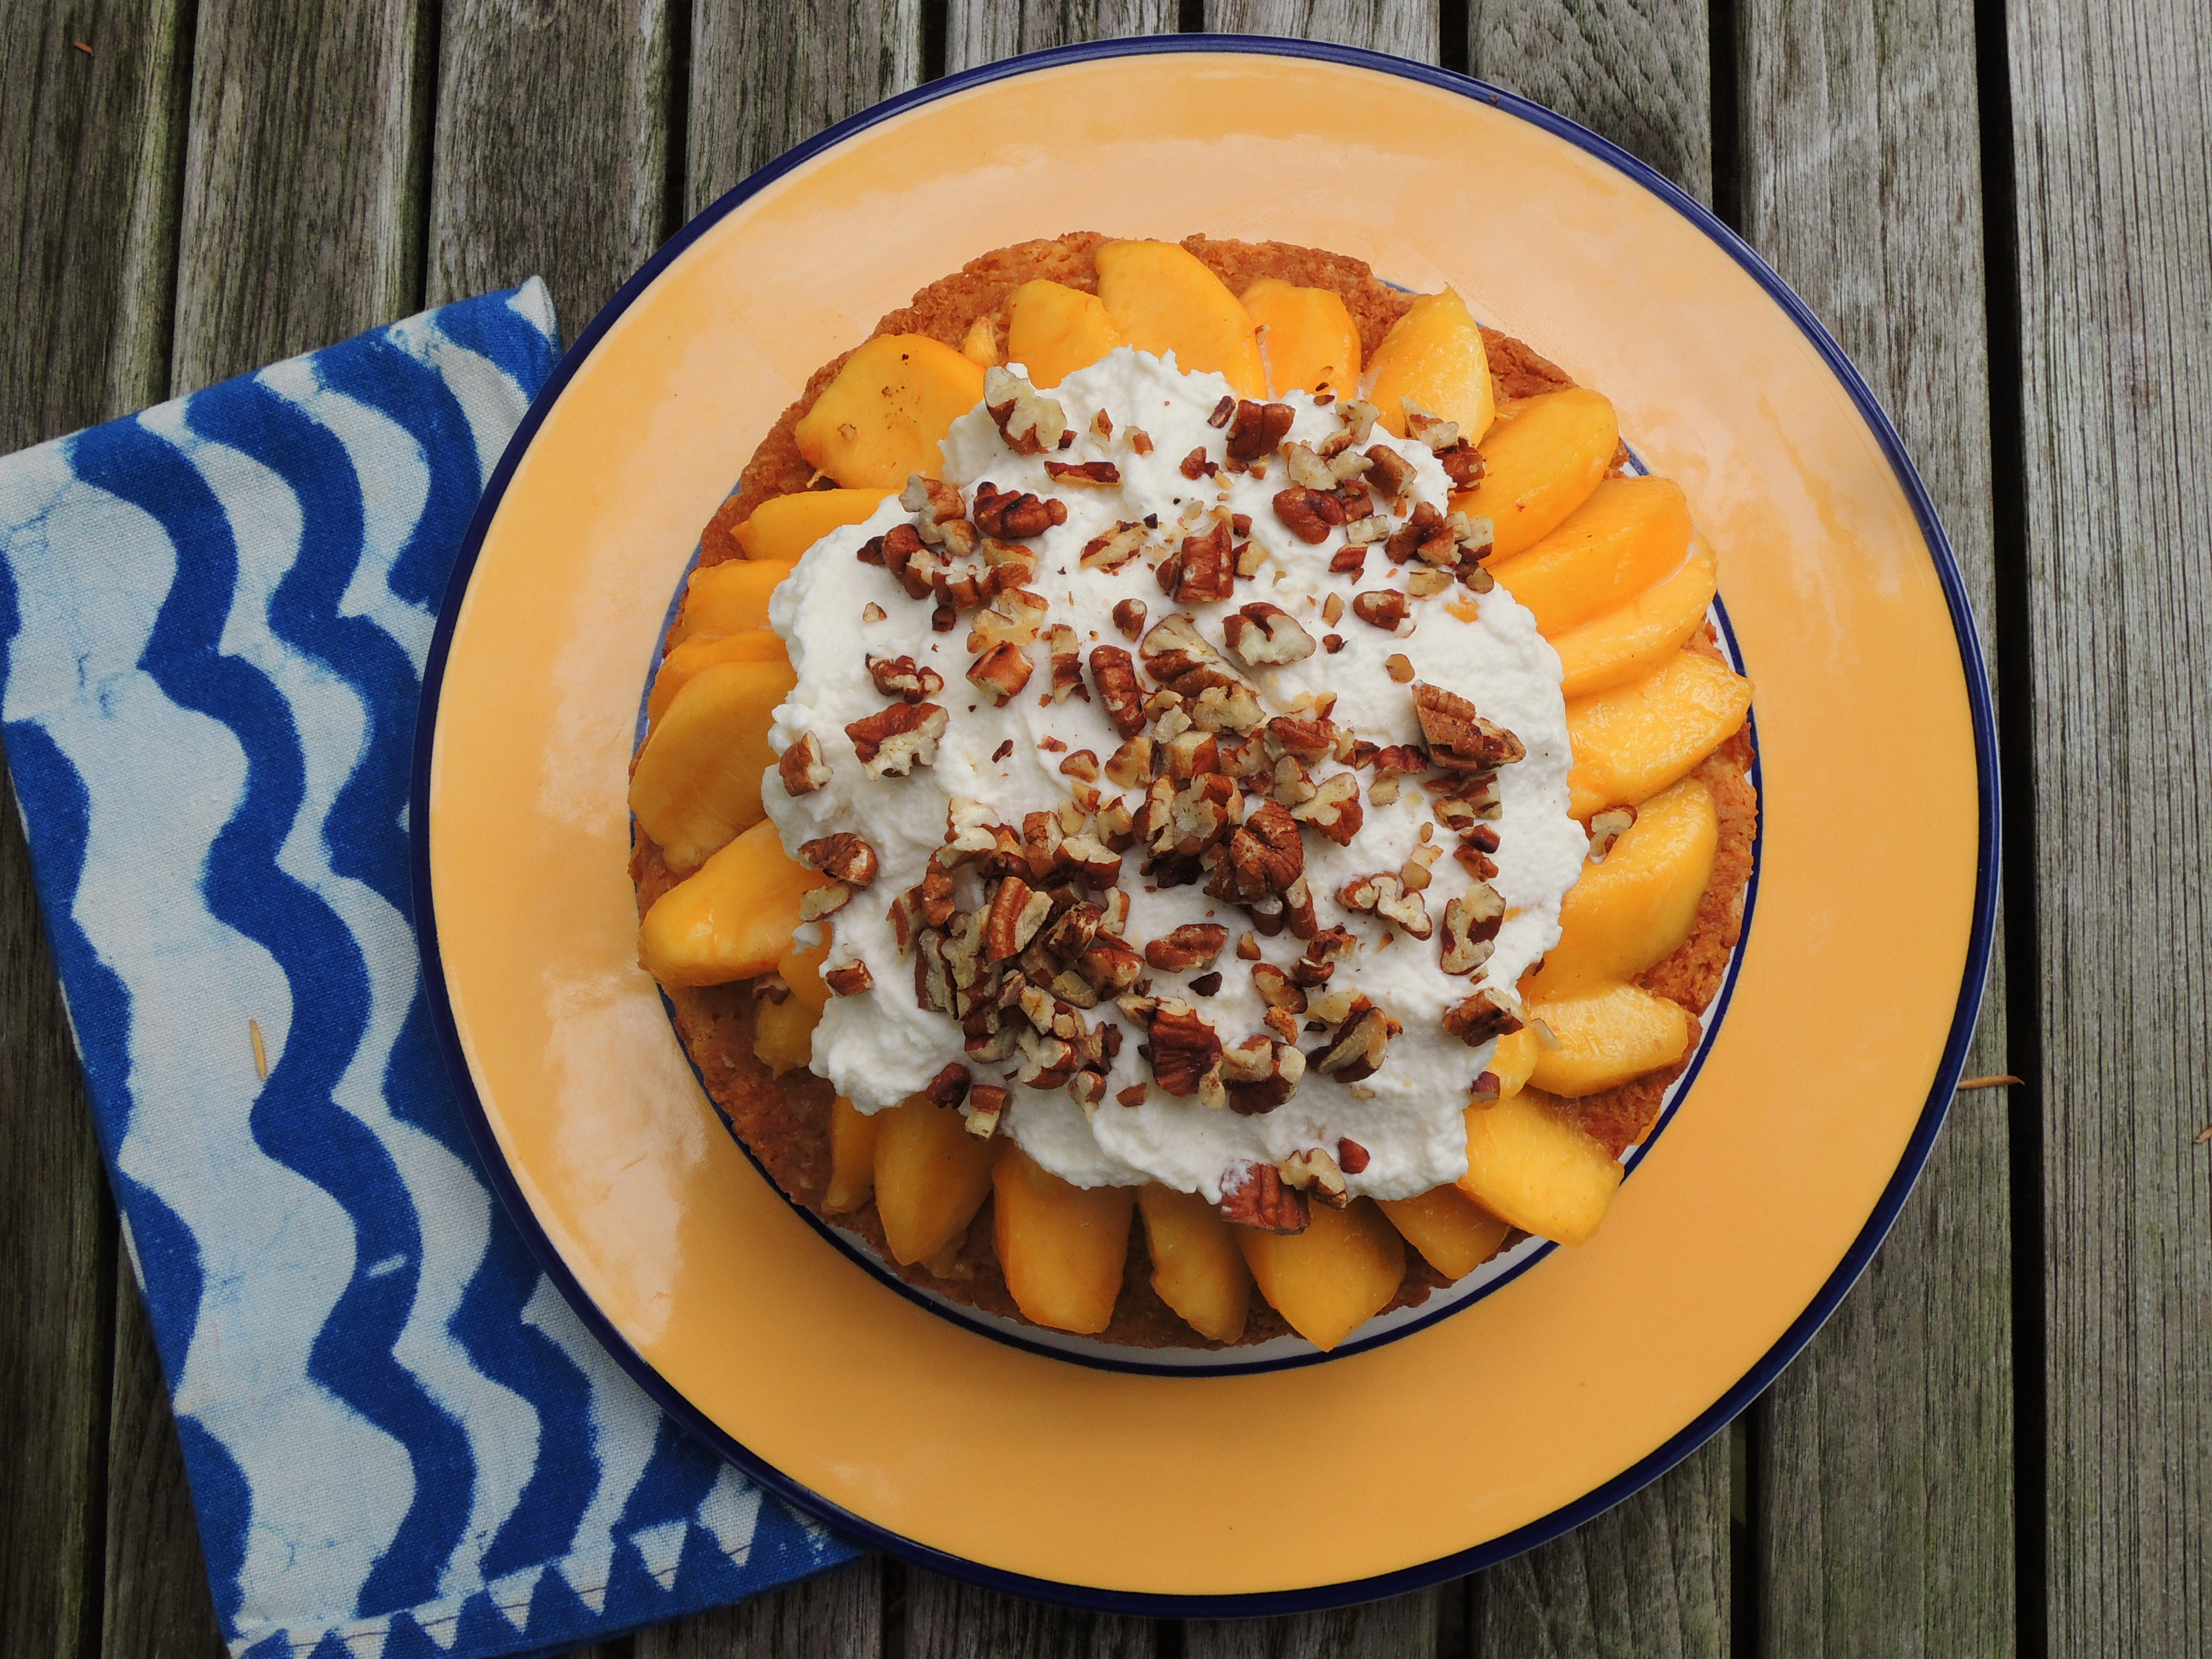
[{"x": 1609, "y": 565}]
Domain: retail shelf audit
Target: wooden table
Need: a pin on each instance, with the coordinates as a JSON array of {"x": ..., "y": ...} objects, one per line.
[{"x": 2002, "y": 1443}]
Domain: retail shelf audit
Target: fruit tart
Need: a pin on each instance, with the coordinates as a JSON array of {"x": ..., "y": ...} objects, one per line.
[{"x": 1191, "y": 796}]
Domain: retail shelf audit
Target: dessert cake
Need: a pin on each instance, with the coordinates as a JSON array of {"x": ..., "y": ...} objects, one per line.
[{"x": 1183, "y": 770}]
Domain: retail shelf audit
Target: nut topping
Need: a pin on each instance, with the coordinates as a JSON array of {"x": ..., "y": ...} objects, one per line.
[
  {"x": 1334, "y": 810},
  {"x": 892, "y": 744},
  {"x": 950, "y": 1086},
  {"x": 1257, "y": 429},
  {"x": 1606, "y": 827},
  {"x": 1114, "y": 672},
  {"x": 1014, "y": 516},
  {"x": 1259, "y": 1074},
  {"x": 1471, "y": 920},
  {"x": 1085, "y": 472},
  {"x": 843, "y": 856},
  {"x": 1261, "y": 634},
  {"x": 848, "y": 980},
  {"x": 1129, "y": 618},
  {"x": 1000, "y": 672},
  {"x": 987, "y": 1104},
  {"x": 1484, "y": 1015},
  {"x": 1177, "y": 657},
  {"x": 1313, "y": 1172},
  {"x": 1185, "y": 1052},
  {"x": 1115, "y": 549},
  {"x": 1386, "y": 896},
  {"x": 1030, "y": 423},
  {"x": 898, "y": 677},
  {"x": 1188, "y": 948},
  {"x": 1358, "y": 1050},
  {"x": 1351, "y": 1156},
  {"x": 1460, "y": 739},
  {"x": 1204, "y": 568},
  {"x": 1309, "y": 513},
  {"x": 801, "y": 766},
  {"x": 1381, "y": 607},
  {"x": 1258, "y": 1198},
  {"x": 1015, "y": 914}
]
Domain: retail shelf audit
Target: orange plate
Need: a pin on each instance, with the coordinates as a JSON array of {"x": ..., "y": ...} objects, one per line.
[{"x": 1488, "y": 1431}]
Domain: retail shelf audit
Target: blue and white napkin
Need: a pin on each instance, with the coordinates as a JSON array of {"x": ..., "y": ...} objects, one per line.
[{"x": 401, "y": 1441}]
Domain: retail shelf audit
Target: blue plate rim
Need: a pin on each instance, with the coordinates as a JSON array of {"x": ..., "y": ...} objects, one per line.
[{"x": 1754, "y": 1382}]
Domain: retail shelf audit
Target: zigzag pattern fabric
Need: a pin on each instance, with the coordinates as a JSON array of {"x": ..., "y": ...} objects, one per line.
[{"x": 401, "y": 1440}]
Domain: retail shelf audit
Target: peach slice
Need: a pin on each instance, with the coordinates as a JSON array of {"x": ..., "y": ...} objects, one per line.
[
  {"x": 1196, "y": 1267},
  {"x": 1434, "y": 356},
  {"x": 1333, "y": 1277},
  {"x": 931, "y": 1176},
  {"x": 733, "y": 919},
  {"x": 1163, "y": 300},
  {"x": 1456, "y": 1234},
  {"x": 801, "y": 968},
  {"x": 697, "y": 784},
  {"x": 980, "y": 345},
  {"x": 1306, "y": 335},
  {"x": 851, "y": 1156},
  {"x": 1628, "y": 643},
  {"x": 783, "y": 1033},
  {"x": 704, "y": 651},
  {"x": 729, "y": 597},
  {"x": 881, "y": 420},
  {"x": 1542, "y": 457},
  {"x": 1531, "y": 1167},
  {"x": 1052, "y": 330},
  {"x": 1632, "y": 741},
  {"x": 1635, "y": 909},
  {"x": 1061, "y": 1246},
  {"x": 1606, "y": 1035},
  {"x": 788, "y": 525},
  {"x": 1628, "y": 534},
  {"x": 1513, "y": 1060}
]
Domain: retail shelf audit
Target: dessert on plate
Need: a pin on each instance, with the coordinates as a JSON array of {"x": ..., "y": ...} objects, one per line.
[{"x": 1183, "y": 771}]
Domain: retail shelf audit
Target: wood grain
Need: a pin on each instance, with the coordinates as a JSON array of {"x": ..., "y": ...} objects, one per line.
[
  {"x": 304, "y": 175},
  {"x": 1403, "y": 1627},
  {"x": 1646, "y": 1579},
  {"x": 1887, "y": 1449},
  {"x": 2111, "y": 151},
  {"x": 984, "y": 31},
  {"x": 1636, "y": 71},
  {"x": 551, "y": 148},
  {"x": 766, "y": 77},
  {"x": 838, "y": 1615},
  {"x": 948, "y": 1620},
  {"x": 88, "y": 159},
  {"x": 1407, "y": 28}
]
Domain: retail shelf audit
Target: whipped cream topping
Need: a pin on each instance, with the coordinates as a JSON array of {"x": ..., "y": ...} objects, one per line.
[{"x": 837, "y": 611}]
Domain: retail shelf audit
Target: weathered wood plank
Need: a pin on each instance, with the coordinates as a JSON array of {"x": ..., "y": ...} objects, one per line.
[
  {"x": 1639, "y": 74},
  {"x": 764, "y": 78},
  {"x": 948, "y": 1620},
  {"x": 1407, "y": 28},
  {"x": 836, "y": 1616},
  {"x": 1403, "y": 1627},
  {"x": 158, "y": 1605},
  {"x": 88, "y": 158},
  {"x": 984, "y": 31},
  {"x": 552, "y": 148},
  {"x": 2112, "y": 148},
  {"x": 1886, "y": 1452},
  {"x": 1648, "y": 1579},
  {"x": 304, "y": 176}
]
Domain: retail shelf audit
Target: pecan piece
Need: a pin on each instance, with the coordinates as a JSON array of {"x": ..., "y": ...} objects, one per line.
[
  {"x": 1357, "y": 1052},
  {"x": 848, "y": 980},
  {"x": 1017, "y": 913},
  {"x": 1276, "y": 990},
  {"x": 1015, "y": 515},
  {"x": 1115, "y": 672},
  {"x": 1178, "y": 658},
  {"x": 1264, "y": 856},
  {"x": 1606, "y": 827},
  {"x": 1309, "y": 513},
  {"x": 801, "y": 766},
  {"x": 1067, "y": 653},
  {"x": 1261, "y": 634},
  {"x": 1258, "y": 1198},
  {"x": 1203, "y": 568},
  {"x": 1188, "y": 948},
  {"x": 1000, "y": 672},
  {"x": 1381, "y": 607},
  {"x": 1351, "y": 1156},
  {"x": 1471, "y": 920},
  {"x": 892, "y": 744},
  {"x": 1129, "y": 618},
  {"x": 987, "y": 1104},
  {"x": 1388, "y": 471},
  {"x": 1334, "y": 810},
  {"x": 1194, "y": 465},
  {"x": 1258, "y": 429},
  {"x": 1110, "y": 966},
  {"x": 1313, "y": 1172},
  {"x": 1030, "y": 423},
  {"x": 827, "y": 900},
  {"x": 1460, "y": 739},
  {"x": 1185, "y": 1052},
  {"x": 1484, "y": 1015},
  {"x": 1115, "y": 549},
  {"x": 1259, "y": 1074},
  {"x": 899, "y": 677},
  {"x": 950, "y": 1086},
  {"x": 1085, "y": 472},
  {"x": 1386, "y": 896},
  {"x": 1314, "y": 968},
  {"x": 843, "y": 856}
]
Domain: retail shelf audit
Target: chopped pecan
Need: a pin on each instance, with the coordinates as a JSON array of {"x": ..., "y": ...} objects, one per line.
[
  {"x": 1030, "y": 423},
  {"x": 899, "y": 677},
  {"x": 1177, "y": 657},
  {"x": 1388, "y": 471},
  {"x": 896, "y": 549},
  {"x": 1309, "y": 513},
  {"x": 932, "y": 896},
  {"x": 1414, "y": 873},
  {"x": 1205, "y": 985},
  {"x": 1000, "y": 672},
  {"x": 1110, "y": 966},
  {"x": 1067, "y": 654},
  {"x": 1351, "y": 1156},
  {"x": 1190, "y": 947},
  {"x": 1113, "y": 549},
  {"x": 827, "y": 900},
  {"x": 1381, "y": 607},
  {"x": 893, "y": 742},
  {"x": 1259, "y": 1074},
  {"x": 801, "y": 766},
  {"x": 1334, "y": 810},
  {"x": 1385, "y": 895},
  {"x": 1265, "y": 855},
  {"x": 1017, "y": 912},
  {"x": 1357, "y": 1053},
  {"x": 1227, "y": 708},
  {"x": 1463, "y": 464},
  {"x": 1073, "y": 928},
  {"x": 1015, "y": 515},
  {"x": 1222, "y": 411},
  {"x": 1014, "y": 617},
  {"x": 1262, "y": 635},
  {"x": 1194, "y": 465},
  {"x": 1306, "y": 737},
  {"x": 1425, "y": 427},
  {"x": 1114, "y": 672},
  {"x": 1308, "y": 469},
  {"x": 1131, "y": 763},
  {"x": 1257, "y": 429},
  {"x": 1189, "y": 754},
  {"x": 1484, "y": 1015},
  {"x": 848, "y": 980},
  {"x": 1090, "y": 861},
  {"x": 1405, "y": 757},
  {"x": 1471, "y": 920},
  {"x": 950, "y": 1086},
  {"x": 1083, "y": 764},
  {"x": 1460, "y": 739},
  {"x": 1134, "y": 1095},
  {"x": 1048, "y": 1062},
  {"x": 1085, "y": 472},
  {"x": 1276, "y": 990},
  {"x": 1258, "y": 1198},
  {"x": 1140, "y": 440},
  {"x": 1129, "y": 618},
  {"x": 1203, "y": 568},
  {"x": 843, "y": 856},
  {"x": 1606, "y": 827},
  {"x": 1087, "y": 1088},
  {"x": 1463, "y": 799},
  {"x": 1314, "y": 968},
  {"x": 1185, "y": 1051},
  {"x": 1426, "y": 526},
  {"x": 1313, "y": 1172},
  {"x": 987, "y": 1104}
]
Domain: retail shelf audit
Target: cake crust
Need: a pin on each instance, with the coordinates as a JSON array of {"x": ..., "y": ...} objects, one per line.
[{"x": 783, "y": 1122}]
